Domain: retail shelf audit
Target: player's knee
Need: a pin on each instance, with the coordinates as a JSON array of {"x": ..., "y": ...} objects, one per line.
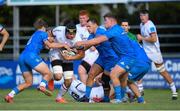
[
  {"x": 58, "y": 76},
  {"x": 67, "y": 82},
  {"x": 161, "y": 68},
  {"x": 68, "y": 74},
  {"x": 56, "y": 66},
  {"x": 91, "y": 76}
]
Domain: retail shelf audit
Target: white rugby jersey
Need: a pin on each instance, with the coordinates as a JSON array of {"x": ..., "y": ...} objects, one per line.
[
  {"x": 90, "y": 56},
  {"x": 146, "y": 30},
  {"x": 77, "y": 90},
  {"x": 82, "y": 32},
  {"x": 1, "y": 27},
  {"x": 60, "y": 37}
]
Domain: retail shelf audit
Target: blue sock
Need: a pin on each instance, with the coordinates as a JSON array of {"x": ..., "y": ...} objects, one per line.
[
  {"x": 117, "y": 90},
  {"x": 140, "y": 99},
  {"x": 123, "y": 90},
  {"x": 88, "y": 91},
  {"x": 44, "y": 81},
  {"x": 16, "y": 90},
  {"x": 106, "y": 98}
]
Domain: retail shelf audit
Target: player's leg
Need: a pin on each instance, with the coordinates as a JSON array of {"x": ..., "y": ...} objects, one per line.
[
  {"x": 122, "y": 67},
  {"x": 94, "y": 71},
  {"x": 140, "y": 86},
  {"x": 68, "y": 76},
  {"x": 136, "y": 74},
  {"x": 56, "y": 64},
  {"x": 57, "y": 72},
  {"x": 27, "y": 74},
  {"x": 44, "y": 70},
  {"x": 135, "y": 90},
  {"x": 114, "y": 75},
  {"x": 123, "y": 82},
  {"x": 28, "y": 82},
  {"x": 83, "y": 70},
  {"x": 161, "y": 69},
  {"x": 106, "y": 87},
  {"x": 158, "y": 61}
]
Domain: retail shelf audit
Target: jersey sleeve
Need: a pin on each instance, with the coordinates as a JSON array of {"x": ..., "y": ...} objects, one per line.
[
  {"x": 108, "y": 34},
  {"x": 100, "y": 31},
  {"x": 151, "y": 28},
  {"x": 44, "y": 36},
  {"x": 90, "y": 37},
  {"x": 55, "y": 31}
]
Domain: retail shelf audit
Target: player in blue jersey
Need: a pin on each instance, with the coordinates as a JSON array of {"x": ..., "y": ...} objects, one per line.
[
  {"x": 30, "y": 59},
  {"x": 104, "y": 63},
  {"x": 124, "y": 48},
  {"x": 106, "y": 60}
]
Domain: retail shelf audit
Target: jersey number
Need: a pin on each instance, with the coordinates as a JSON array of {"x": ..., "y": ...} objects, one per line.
[{"x": 75, "y": 96}]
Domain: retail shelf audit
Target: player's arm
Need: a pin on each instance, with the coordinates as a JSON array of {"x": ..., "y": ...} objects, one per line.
[
  {"x": 152, "y": 38},
  {"x": 56, "y": 45},
  {"x": 5, "y": 38},
  {"x": 92, "y": 42}
]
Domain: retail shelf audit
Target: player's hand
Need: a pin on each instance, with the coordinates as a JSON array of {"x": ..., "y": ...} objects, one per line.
[
  {"x": 66, "y": 46},
  {"x": 51, "y": 39},
  {"x": 139, "y": 37},
  {"x": 65, "y": 54}
]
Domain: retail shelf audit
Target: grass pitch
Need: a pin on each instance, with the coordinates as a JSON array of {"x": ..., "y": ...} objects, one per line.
[{"x": 31, "y": 99}]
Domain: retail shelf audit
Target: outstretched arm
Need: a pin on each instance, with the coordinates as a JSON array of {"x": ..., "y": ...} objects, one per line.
[
  {"x": 92, "y": 42},
  {"x": 56, "y": 45},
  {"x": 5, "y": 38}
]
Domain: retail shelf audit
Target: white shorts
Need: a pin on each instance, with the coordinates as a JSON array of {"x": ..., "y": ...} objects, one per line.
[
  {"x": 97, "y": 92},
  {"x": 155, "y": 57},
  {"x": 91, "y": 56}
]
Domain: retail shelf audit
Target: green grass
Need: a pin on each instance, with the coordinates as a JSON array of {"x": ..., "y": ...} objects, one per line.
[{"x": 31, "y": 99}]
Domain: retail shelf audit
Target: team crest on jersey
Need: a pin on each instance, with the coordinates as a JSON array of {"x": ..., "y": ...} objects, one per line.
[{"x": 152, "y": 29}]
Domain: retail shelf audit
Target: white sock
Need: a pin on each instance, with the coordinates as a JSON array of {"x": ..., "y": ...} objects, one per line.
[
  {"x": 12, "y": 93},
  {"x": 173, "y": 87},
  {"x": 62, "y": 91},
  {"x": 43, "y": 84},
  {"x": 140, "y": 87}
]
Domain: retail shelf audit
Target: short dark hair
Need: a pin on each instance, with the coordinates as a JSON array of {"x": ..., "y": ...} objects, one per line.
[
  {"x": 70, "y": 27},
  {"x": 144, "y": 11},
  {"x": 93, "y": 20},
  {"x": 111, "y": 15},
  {"x": 39, "y": 23},
  {"x": 124, "y": 20}
]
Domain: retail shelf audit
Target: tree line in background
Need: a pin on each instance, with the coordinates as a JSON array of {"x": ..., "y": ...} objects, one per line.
[{"x": 160, "y": 13}]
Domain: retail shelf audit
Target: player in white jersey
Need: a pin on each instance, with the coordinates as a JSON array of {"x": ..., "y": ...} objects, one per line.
[
  {"x": 151, "y": 46},
  {"x": 60, "y": 66},
  {"x": 90, "y": 54},
  {"x": 77, "y": 90},
  {"x": 5, "y": 35}
]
